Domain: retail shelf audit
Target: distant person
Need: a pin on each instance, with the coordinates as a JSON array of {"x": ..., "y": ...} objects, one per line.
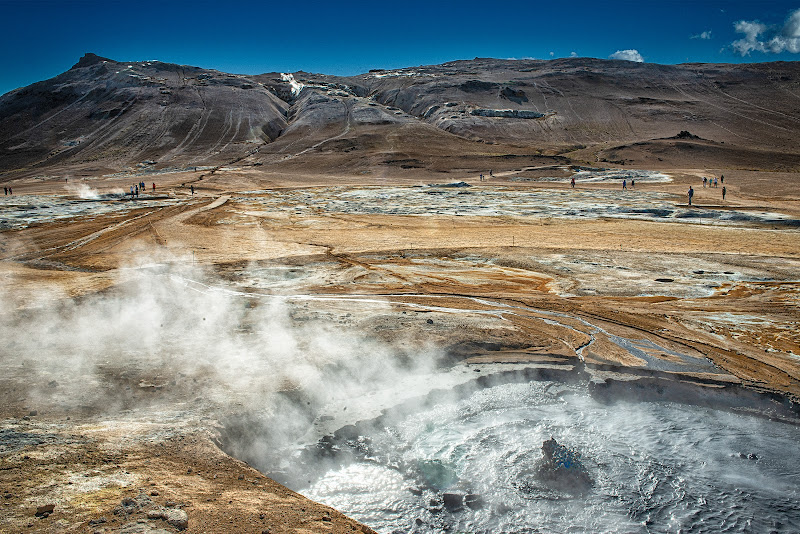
[
  {"x": 131, "y": 191},
  {"x": 192, "y": 188},
  {"x": 722, "y": 178},
  {"x": 490, "y": 172},
  {"x": 715, "y": 182},
  {"x": 481, "y": 178},
  {"x": 136, "y": 189},
  {"x": 5, "y": 190},
  {"x": 572, "y": 183},
  {"x": 691, "y": 194},
  {"x": 154, "y": 187},
  {"x": 624, "y": 184},
  {"x": 10, "y": 192},
  {"x": 704, "y": 182},
  {"x": 723, "y": 192},
  {"x": 633, "y": 184}
]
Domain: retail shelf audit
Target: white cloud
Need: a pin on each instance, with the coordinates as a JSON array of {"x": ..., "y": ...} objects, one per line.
[
  {"x": 759, "y": 37},
  {"x": 627, "y": 55},
  {"x": 552, "y": 54},
  {"x": 750, "y": 41},
  {"x": 706, "y": 35},
  {"x": 573, "y": 54}
]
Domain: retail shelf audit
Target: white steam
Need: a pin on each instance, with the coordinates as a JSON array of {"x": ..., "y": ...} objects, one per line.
[
  {"x": 83, "y": 191},
  {"x": 167, "y": 335}
]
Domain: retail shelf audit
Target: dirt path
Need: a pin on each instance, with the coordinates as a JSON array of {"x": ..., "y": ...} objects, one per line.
[{"x": 127, "y": 436}]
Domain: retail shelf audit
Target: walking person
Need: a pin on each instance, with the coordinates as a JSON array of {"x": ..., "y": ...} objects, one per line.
[
  {"x": 691, "y": 194},
  {"x": 723, "y": 192},
  {"x": 624, "y": 185},
  {"x": 192, "y": 188},
  {"x": 572, "y": 182}
]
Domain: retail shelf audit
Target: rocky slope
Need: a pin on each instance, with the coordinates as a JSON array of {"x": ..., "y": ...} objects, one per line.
[{"x": 107, "y": 115}]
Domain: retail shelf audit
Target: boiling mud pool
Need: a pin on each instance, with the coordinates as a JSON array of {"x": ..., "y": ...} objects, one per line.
[
  {"x": 21, "y": 211},
  {"x": 656, "y": 467},
  {"x": 493, "y": 201}
]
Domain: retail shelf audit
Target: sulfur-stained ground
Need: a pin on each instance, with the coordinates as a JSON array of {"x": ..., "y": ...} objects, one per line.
[{"x": 97, "y": 408}]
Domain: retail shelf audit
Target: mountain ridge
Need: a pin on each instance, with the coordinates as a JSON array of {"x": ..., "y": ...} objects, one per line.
[{"x": 109, "y": 115}]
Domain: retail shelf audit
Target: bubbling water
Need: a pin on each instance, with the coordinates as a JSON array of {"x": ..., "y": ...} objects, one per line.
[{"x": 470, "y": 466}]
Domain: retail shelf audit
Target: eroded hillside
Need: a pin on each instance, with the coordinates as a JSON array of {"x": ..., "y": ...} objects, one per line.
[{"x": 104, "y": 115}]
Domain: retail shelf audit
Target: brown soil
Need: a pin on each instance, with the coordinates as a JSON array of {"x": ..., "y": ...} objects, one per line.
[{"x": 87, "y": 459}]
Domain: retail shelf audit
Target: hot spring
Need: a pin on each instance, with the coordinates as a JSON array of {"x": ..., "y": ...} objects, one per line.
[{"x": 472, "y": 462}]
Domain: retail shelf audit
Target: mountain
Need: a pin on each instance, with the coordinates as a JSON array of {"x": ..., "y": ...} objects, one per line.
[{"x": 104, "y": 115}]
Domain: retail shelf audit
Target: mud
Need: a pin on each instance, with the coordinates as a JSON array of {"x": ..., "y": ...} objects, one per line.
[{"x": 141, "y": 335}]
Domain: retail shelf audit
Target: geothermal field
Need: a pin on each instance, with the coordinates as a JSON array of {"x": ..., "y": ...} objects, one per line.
[{"x": 336, "y": 307}]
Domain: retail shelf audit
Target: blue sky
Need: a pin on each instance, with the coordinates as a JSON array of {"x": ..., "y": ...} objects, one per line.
[{"x": 42, "y": 38}]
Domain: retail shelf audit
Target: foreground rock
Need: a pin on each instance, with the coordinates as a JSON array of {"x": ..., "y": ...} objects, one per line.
[
  {"x": 561, "y": 468},
  {"x": 134, "y": 484}
]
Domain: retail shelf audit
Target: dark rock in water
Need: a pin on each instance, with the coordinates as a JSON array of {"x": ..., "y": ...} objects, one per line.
[
  {"x": 561, "y": 468},
  {"x": 473, "y": 501},
  {"x": 665, "y": 280},
  {"x": 435, "y": 506},
  {"x": 453, "y": 501}
]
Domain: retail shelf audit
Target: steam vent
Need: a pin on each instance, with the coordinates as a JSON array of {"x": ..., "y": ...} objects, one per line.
[{"x": 468, "y": 297}]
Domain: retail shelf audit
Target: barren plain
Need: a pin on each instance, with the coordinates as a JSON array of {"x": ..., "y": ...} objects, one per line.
[{"x": 365, "y": 250}]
